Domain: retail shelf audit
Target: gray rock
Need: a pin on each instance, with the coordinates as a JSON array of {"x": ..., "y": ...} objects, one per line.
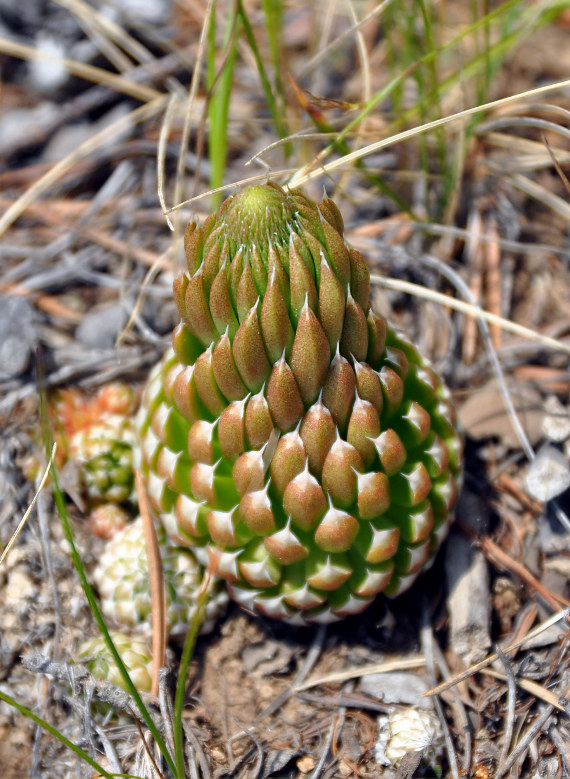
[
  {"x": 100, "y": 328},
  {"x": 24, "y": 122},
  {"x": 18, "y": 335},
  {"x": 397, "y": 687},
  {"x": 468, "y": 601},
  {"x": 144, "y": 11}
]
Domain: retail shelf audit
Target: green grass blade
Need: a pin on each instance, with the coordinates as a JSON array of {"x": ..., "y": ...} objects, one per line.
[
  {"x": 273, "y": 10},
  {"x": 56, "y": 734},
  {"x": 280, "y": 125},
  {"x": 61, "y": 506},
  {"x": 220, "y": 88},
  {"x": 397, "y": 80}
]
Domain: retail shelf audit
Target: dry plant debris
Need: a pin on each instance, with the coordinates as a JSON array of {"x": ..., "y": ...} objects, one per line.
[{"x": 88, "y": 261}]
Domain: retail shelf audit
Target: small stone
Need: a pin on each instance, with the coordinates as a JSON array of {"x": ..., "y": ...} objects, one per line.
[
  {"x": 306, "y": 764},
  {"x": 48, "y": 73},
  {"x": 397, "y": 687},
  {"x": 548, "y": 474},
  {"x": 100, "y": 329},
  {"x": 19, "y": 336}
]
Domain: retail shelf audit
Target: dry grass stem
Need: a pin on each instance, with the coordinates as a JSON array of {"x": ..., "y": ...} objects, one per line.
[
  {"x": 88, "y": 72},
  {"x": 156, "y": 581},
  {"x": 30, "y": 508},
  {"x": 469, "y": 309},
  {"x": 396, "y": 664},
  {"x": 528, "y": 685},
  {"x": 165, "y": 129},
  {"x": 140, "y": 114},
  {"x": 308, "y": 173}
]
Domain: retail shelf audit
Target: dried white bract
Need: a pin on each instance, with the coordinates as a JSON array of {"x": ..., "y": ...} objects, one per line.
[
  {"x": 556, "y": 421},
  {"x": 408, "y": 730}
]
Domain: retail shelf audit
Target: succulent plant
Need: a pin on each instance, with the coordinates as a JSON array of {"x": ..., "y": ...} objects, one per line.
[
  {"x": 134, "y": 652},
  {"x": 289, "y": 433},
  {"x": 122, "y": 578},
  {"x": 105, "y": 453},
  {"x": 98, "y": 433}
]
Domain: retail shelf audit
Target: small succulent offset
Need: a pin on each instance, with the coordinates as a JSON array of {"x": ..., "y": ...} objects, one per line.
[
  {"x": 134, "y": 652},
  {"x": 290, "y": 436},
  {"x": 122, "y": 579},
  {"x": 99, "y": 435}
]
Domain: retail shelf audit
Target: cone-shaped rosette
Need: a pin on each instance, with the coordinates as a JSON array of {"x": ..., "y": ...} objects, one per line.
[
  {"x": 289, "y": 433},
  {"x": 122, "y": 579}
]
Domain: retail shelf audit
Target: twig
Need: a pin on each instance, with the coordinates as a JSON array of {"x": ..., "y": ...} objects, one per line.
[
  {"x": 326, "y": 749},
  {"x": 426, "y": 638},
  {"x": 476, "y": 667},
  {"x": 464, "y": 719},
  {"x": 532, "y": 687},
  {"x": 510, "y": 718},
  {"x": 495, "y": 554},
  {"x": 530, "y": 733}
]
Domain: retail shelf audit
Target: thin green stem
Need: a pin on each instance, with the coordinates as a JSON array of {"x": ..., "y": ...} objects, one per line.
[
  {"x": 265, "y": 83},
  {"x": 220, "y": 88},
  {"x": 187, "y": 653}
]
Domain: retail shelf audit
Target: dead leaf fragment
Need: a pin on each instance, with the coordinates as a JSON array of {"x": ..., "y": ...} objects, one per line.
[{"x": 484, "y": 414}]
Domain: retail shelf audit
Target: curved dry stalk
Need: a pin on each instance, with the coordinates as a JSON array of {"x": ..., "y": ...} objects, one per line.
[
  {"x": 310, "y": 172},
  {"x": 150, "y": 275},
  {"x": 470, "y": 309},
  {"x": 192, "y": 92},
  {"x": 161, "y": 155},
  {"x": 366, "y": 81},
  {"x": 234, "y": 185},
  {"x": 320, "y": 55}
]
